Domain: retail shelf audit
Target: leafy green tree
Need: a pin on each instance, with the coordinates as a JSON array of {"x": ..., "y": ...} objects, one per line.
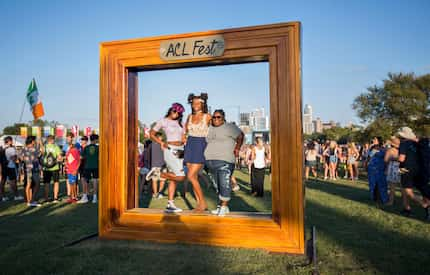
[{"x": 402, "y": 100}]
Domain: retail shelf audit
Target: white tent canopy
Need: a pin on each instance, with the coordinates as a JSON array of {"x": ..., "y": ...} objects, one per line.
[{"x": 18, "y": 141}]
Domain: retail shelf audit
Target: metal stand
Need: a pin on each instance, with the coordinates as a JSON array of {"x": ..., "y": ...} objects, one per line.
[{"x": 311, "y": 251}]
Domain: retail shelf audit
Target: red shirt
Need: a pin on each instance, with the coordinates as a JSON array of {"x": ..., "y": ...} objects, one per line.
[{"x": 72, "y": 161}]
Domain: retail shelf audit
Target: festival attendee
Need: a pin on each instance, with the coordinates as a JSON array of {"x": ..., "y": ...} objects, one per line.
[
  {"x": 11, "y": 167},
  {"x": 173, "y": 149},
  {"x": 223, "y": 144},
  {"x": 310, "y": 160},
  {"x": 248, "y": 154},
  {"x": 331, "y": 153},
  {"x": 326, "y": 158},
  {"x": 144, "y": 165},
  {"x": 410, "y": 170},
  {"x": 376, "y": 172},
  {"x": 51, "y": 168},
  {"x": 3, "y": 174},
  {"x": 197, "y": 127},
  {"x": 90, "y": 156},
  {"x": 73, "y": 157},
  {"x": 156, "y": 163},
  {"x": 69, "y": 138},
  {"x": 83, "y": 143},
  {"x": 364, "y": 155},
  {"x": 392, "y": 168},
  {"x": 352, "y": 161},
  {"x": 30, "y": 156},
  {"x": 258, "y": 168}
]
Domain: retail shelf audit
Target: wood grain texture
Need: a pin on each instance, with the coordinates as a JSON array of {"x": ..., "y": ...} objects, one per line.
[{"x": 283, "y": 231}]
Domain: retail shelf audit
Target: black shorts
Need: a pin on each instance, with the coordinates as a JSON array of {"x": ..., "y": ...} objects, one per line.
[
  {"x": 409, "y": 179},
  {"x": 11, "y": 174},
  {"x": 49, "y": 175},
  {"x": 91, "y": 174},
  {"x": 35, "y": 179}
]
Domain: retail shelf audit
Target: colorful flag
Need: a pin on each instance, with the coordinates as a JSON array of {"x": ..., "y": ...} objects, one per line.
[
  {"x": 75, "y": 130},
  {"x": 46, "y": 131},
  {"x": 23, "y": 131},
  {"x": 88, "y": 131},
  {"x": 33, "y": 99},
  {"x": 35, "y": 131},
  {"x": 52, "y": 131},
  {"x": 59, "y": 131}
]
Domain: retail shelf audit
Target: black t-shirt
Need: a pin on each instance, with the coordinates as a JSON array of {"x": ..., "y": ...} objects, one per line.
[{"x": 409, "y": 148}]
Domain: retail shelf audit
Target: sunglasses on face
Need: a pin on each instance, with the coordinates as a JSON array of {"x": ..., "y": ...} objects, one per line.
[{"x": 217, "y": 117}]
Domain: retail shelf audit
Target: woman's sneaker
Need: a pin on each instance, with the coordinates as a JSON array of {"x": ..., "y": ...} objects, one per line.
[
  {"x": 223, "y": 210},
  {"x": 171, "y": 208},
  {"x": 216, "y": 211},
  {"x": 84, "y": 199}
]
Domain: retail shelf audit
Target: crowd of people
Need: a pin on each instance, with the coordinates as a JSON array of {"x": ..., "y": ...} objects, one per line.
[
  {"x": 44, "y": 161},
  {"x": 403, "y": 160},
  {"x": 205, "y": 143}
]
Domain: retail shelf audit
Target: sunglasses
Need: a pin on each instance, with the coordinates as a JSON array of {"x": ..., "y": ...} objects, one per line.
[{"x": 217, "y": 117}]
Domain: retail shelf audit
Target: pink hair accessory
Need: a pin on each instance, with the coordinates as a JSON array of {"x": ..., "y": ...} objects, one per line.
[{"x": 178, "y": 107}]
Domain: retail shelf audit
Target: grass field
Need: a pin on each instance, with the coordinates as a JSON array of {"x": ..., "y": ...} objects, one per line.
[{"x": 354, "y": 237}]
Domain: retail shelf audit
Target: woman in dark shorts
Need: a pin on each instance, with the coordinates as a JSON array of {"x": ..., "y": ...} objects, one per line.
[{"x": 197, "y": 128}]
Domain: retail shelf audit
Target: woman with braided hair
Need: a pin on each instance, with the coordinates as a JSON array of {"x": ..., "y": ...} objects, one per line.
[{"x": 197, "y": 127}]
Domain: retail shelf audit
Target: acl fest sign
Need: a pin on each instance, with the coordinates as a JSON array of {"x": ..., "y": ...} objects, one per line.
[{"x": 189, "y": 48}]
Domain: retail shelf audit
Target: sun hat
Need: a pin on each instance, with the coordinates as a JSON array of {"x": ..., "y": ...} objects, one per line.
[{"x": 407, "y": 133}]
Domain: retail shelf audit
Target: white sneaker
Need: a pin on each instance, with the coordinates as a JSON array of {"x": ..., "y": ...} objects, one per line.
[
  {"x": 84, "y": 199},
  {"x": 34, "y": 204},
  {"x": 18, "y": 198},
  {"x": 236, "y": 188},
  {"x": 216, "y": 211},
  {"x": 160, "y": 196},
  {"x": 223, "y": 211},
  {"x": 5, "y": 199},
  {"x": 95, "y": 199},
  {"x": 171, "y": 208}
]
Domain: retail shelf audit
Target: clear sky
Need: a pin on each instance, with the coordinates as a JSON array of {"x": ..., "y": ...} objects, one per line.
[{"x": 347, "y": 46}]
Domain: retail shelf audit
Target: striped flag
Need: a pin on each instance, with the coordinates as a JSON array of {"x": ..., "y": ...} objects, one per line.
[{"x": 34, "y": 101}]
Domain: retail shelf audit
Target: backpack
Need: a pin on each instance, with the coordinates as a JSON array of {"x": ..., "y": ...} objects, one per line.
[{"x": 49, "y": 160}]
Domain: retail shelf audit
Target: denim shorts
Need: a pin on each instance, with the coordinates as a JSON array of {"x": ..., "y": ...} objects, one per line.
[{"x": 173, "y": 163}]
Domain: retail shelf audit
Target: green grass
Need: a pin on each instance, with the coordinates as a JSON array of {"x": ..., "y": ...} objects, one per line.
[{"x": 354, "y": 237}]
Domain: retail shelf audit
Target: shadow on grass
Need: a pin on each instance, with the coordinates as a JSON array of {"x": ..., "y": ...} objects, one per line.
[
  {"x": 369, "y": 242},
  {"x": 362, "y": 196}
]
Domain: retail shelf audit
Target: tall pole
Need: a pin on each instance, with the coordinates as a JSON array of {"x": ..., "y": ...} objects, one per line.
[{"x": 22, "y": 111}]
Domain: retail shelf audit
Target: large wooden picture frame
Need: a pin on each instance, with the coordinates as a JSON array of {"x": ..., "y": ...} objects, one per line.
[{"x": 120, "y": 62}]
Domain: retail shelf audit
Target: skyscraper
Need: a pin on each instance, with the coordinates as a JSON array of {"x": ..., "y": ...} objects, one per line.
[{"x": 307, "y": 120}]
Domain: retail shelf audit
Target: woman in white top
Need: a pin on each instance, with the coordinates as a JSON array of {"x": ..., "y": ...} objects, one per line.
[
  {"x": 311, "y": 160},
  {"x": 197, "y": 127},
  {"x": 258, "y": 168}
]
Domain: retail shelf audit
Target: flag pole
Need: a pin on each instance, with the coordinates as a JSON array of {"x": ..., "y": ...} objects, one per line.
[{"x": 22, "y": 111}]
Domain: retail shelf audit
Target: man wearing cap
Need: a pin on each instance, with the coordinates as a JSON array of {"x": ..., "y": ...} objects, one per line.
[{"x": 410, "y": 169}]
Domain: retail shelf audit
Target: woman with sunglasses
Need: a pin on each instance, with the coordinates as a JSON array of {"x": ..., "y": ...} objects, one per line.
[
  {"x": 197, "y": 127},
  {"x": 224, "y": 142},
  {"x": 173, "y": 150}
]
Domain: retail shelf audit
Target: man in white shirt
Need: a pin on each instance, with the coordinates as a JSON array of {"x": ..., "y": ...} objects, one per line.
[{"x": 11, "y": 168}]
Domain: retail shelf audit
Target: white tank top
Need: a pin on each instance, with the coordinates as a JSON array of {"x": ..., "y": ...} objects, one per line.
[{"x": 259, "y": 161}]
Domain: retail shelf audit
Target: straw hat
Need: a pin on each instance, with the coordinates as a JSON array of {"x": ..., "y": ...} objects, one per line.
[{"x": 407, "y": 133}]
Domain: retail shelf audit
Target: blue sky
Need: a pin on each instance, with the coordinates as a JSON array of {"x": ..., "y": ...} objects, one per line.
[{"x": 347, "y": 46}]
